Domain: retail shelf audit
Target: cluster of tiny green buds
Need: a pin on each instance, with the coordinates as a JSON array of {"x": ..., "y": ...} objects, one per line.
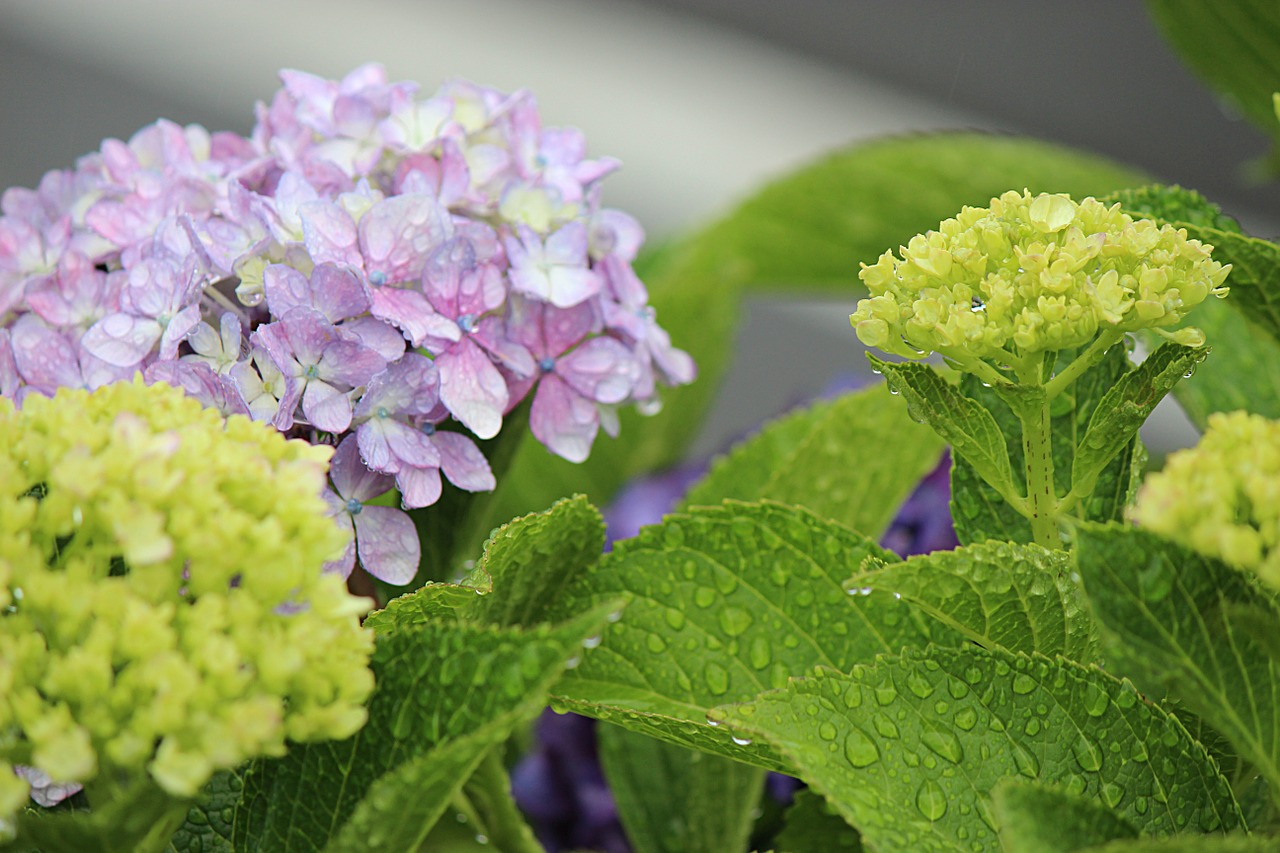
[
  {"x": 1222, "y": 497},
  {"x": 162, "y": 606},
  {"x": 1031, "y": 274}
]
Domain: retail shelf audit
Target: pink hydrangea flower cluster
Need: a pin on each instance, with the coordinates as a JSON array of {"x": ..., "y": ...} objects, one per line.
[{"x": 370, "y": 268}]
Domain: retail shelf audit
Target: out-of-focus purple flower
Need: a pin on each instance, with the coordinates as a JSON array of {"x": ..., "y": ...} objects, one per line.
[
  {"x": 360, "y": 231},
  {"x": 562, "y": 790},
  {"x": 923, "y": 524}
]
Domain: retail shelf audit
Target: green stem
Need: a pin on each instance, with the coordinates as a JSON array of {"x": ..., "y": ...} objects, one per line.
[
  {"x": 489, "y": 791},
  {"x": 1037, "y": 452},
  {"x": 1087, "y": 359}
]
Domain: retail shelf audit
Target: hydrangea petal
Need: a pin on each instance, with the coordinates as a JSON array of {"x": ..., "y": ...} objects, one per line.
[
  {"x": 564, "y": 421},
  {"x": 389, "y": 547},
  {"x": 472, "y": 389}
]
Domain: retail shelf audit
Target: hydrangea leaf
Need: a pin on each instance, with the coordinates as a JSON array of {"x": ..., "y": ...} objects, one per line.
[
  {"x": 1233, "y": 45},
  {"x": 1036, "y": 818},
  {"x": 1020, "y": 598},
  {"x": 1242, "y": 371},
  {"x": 814, "y": 827},
  {"x": 725, "y": 602},
  {"x": 806, "y": 232},
  {"x": 853, "y": 460},
  {"x": 209, "y": 822},
  {"x": 1173, "y": 619},
  {"x": 534, "y": 558},
  {"x": 1193, "y": 844},
  {"x": 909, "y": 749},
  {"x": 1125, "y": 408},
  {"x": 978, "y": 511},
  {"x": 430, "y": 602},
  {"x": 446, "y": 691},
  {"x": 673, "y": 800},
  {"x": 142, "y": 817},
  {"x": 963, "y": 422}
]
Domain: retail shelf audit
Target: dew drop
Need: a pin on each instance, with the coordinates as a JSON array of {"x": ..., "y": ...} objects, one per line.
[
  {"x": 735, "y": 620},
  {"x": 1023, "y": 683},
  {"x": 1087, "y": 754},
  {"x": 885, "y": 694},
  {"x": 591, "y": 642},
  {"x": 1027, "y": 763},
  {"x": 742, "y": 741},
  {"x": 944, "y": 744},
  {"x": 966, "y": 719},
  {"x": 673, "y": 535},
  {"x": 717, "y": 678},
  {"x": 655, "y": 644},
  {"x": 853, "y": 697},
  {"x": 885, "y": 726},
  {"x": 704, "y": 596},
  {"x": 827, "y": 730},
  {"x": 572, "y": 663},
  {"x": 675, "y": 618},
  {"x": 919, "y": 685},
  {"x": 977, "y": 306},
  {"x": 1112, "y": 794},
  {"x": 1095, "y": 700},
  {"x": 760, "y": 652},
  {"x": 860, "y": 749},
  {"x": 931, "y": 800},
  {"x": 1140, "y": 805},
  {"x": 1076, "y": 785},
  {"x": 957, "y": 688}
]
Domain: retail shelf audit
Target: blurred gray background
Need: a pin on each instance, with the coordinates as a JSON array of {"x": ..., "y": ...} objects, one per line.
[{"x": 701, "y": 99}]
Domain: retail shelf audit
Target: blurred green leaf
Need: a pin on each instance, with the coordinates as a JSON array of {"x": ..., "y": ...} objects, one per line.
[
  {"x": 853, "y": 460},
  {"x": 1036, "y": 818},
  {"x": 1234, "y": 45}
]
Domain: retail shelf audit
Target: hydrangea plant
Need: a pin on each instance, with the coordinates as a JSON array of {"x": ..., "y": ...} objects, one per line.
[
  {"x": 370, "y": 262},
  {"x": 1074, "y": 671},
  {"x": 165, "y": 616}
]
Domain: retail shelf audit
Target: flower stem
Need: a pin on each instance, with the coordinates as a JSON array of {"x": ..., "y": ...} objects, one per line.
[
  {"x": 1037, "y": 451},
  {"x": 489, "y": 792},
  {"x": 1083, "y": 362}
]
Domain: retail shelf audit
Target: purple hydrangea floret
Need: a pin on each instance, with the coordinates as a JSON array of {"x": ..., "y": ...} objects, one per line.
[{"x": 371, "y": 267}]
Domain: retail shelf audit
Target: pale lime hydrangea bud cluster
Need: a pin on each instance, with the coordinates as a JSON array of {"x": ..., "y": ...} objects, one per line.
[
  {"x": 1222, "y": 497},
  {"x": 1030, "y": 274},
  {"x": 162, "y": 605}
]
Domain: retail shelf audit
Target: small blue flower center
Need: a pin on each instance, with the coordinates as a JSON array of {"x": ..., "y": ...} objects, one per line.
[
  {"x": 377, "y": 278},
  {"x": 467, "y": 323},
  {"x": 312, "y": 371},
  {"x": 382, "y": 412},
  {"x": 547, "y": 365},
  {"x": 354, "y": 506},
  {"x": 429, "y": 429}
]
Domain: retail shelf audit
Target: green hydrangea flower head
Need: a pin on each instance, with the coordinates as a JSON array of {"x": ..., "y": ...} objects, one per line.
[
  {"x": 1030, "y": 274},
  {"x": 1222, "y": 497},
  {"x": 163, "y": 613}
]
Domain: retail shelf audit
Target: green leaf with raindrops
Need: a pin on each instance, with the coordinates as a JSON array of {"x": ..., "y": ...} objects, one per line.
[
  {"x": 446, "y": 692},
  {"x": 1175, "y": 620},
  {"x": 962, "y": 422},
  {"x": 1018, "y": 597},
  {"x": 1237, "y": 843},
  {"x": 1035, "y": 818},
  {"x": 910, "y": 748},
  {"x": 853, "y": 460},
  {"x": 208, "y": 826},
  {"x": 1126, "y": 407},
  {"x": 726, "y": 602}
]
